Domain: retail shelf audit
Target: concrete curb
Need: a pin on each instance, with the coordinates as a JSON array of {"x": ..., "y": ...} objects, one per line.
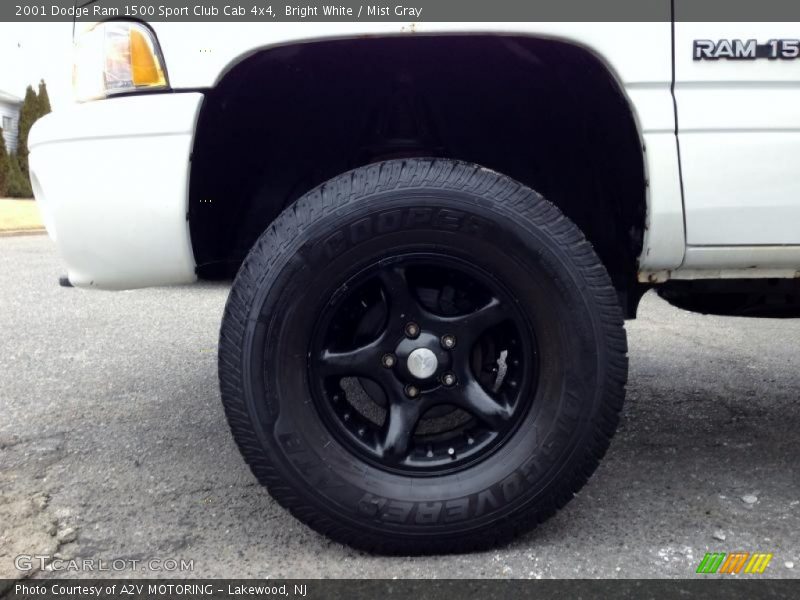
[{"x": 20, "y": 232}]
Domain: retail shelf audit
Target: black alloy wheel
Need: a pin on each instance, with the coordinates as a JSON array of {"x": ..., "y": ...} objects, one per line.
[
  {"x": 422, "y": 356},
  {"x": 417, "y": 364}
]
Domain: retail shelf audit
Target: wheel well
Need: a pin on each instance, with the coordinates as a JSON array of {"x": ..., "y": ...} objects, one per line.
[{"x": 544, "y": 112}]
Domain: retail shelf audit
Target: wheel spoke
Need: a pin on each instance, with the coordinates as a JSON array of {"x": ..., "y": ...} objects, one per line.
[
  {"x": 363, "y": 361},
  {"x": 396, "y": 290},
  {"x": 401, "y": 420},
  {"x": 487, "y": 316},
  {"x": 474, "y": 399},
  {"x": 471, "y": 326}
]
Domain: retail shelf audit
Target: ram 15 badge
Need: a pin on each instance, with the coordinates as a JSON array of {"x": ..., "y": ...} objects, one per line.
[{"x": 746, "y": 49}]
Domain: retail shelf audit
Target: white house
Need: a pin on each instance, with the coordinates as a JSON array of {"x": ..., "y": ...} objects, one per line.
[{"x": 9, "y": 118}]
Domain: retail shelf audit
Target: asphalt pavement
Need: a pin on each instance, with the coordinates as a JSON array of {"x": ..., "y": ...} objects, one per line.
[{"x": 114, "y": 446}]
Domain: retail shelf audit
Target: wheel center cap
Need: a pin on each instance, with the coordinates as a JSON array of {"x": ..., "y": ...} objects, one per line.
[{"x": 422, "y": 363}]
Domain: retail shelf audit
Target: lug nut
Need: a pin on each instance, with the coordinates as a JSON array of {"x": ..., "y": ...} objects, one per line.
[
  {"x": 412, "y": 391},
  {"x": 412, "y": 330},
  {"x": 388, "y": 360},
  {"x": 448, "y": 379},
  {"x": 448, "y": 342}
]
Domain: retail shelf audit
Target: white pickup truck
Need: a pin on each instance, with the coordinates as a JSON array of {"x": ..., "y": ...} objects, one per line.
[{"x": 436, "y": 233}]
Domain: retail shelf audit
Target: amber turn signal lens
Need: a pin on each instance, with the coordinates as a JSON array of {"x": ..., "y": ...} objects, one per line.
[{"x": 145, "y": 68}]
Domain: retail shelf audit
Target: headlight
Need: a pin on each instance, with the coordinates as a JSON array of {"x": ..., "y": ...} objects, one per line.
[{"x": 116, "y": 57}]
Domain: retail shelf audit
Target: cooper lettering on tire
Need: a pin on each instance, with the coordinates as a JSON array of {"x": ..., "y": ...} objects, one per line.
[{"x": 422, "y": 356}]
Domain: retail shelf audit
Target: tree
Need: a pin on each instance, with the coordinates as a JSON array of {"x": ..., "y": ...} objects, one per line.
[
  {"x": 34, "y": 106},
  {"x": 27, "y": 116},
  {"x": 19, "y": 185},
  {"x": 4, "y": 166},
  {"x": 43, "y": 100}
]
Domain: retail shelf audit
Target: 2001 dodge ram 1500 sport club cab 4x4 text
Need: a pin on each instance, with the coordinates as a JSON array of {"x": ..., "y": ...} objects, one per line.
[{"x": 436, "y": 234}]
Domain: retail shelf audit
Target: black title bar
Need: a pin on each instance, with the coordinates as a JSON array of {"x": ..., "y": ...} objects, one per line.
[
  {"x": 410, "y": 11},
  {"x": 344, "y": 589}
]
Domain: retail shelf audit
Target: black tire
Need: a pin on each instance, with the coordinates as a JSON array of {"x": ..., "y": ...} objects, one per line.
[{"x": 561, "y": 294}]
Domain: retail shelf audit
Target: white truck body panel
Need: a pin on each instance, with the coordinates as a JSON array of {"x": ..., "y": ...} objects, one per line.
[
  {"x": 118, "y": 227},
  {"x": 739, "y": 147},
  {"x": 739, "y": 123}
]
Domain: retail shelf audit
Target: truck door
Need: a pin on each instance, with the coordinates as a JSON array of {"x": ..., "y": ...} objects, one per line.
[{"x": 737, "y": 91}]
